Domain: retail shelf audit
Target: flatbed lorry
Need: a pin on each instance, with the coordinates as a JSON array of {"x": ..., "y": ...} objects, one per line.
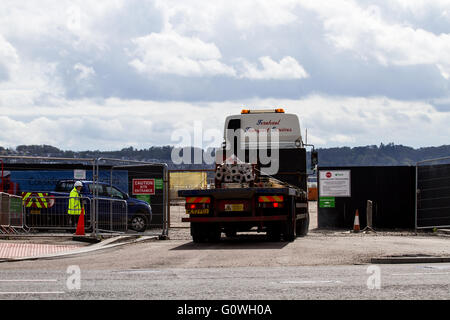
[{"x": 276, "y": 204}]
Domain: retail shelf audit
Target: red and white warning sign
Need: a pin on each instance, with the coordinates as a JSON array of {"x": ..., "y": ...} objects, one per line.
[
  {"x": 143, "y": 186},
  {"x": 334, "y": 183}
]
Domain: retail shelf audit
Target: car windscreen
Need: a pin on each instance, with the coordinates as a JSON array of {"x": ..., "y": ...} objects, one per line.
[
  {"x": 100, "y": 188},
  {"x": 114, "y": 193},
  {"x": 64, "y": 186}
]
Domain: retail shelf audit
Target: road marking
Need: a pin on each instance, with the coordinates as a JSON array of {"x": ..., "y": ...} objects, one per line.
[
  {"x": 29, "y": 280},
  {"x": 43, "y": 292},
  {"x": 137, "y": 271},
  {"x": 311, "y": 281},
  {"x": 420, "y": 274},
  {"x": 437, "y": 267}
]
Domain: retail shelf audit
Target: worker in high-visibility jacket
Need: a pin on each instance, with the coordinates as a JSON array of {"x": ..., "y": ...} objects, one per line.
[{"x": 74, "y": 210}]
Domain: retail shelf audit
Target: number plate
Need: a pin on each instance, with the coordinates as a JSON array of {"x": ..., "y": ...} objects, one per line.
[
  {"x": 35, "y": 211},
  {"x": 198, "y": 211},
  {"x": 234, "y": 207}
]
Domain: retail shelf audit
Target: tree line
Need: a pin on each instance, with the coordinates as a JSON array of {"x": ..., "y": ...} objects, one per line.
[{"x": 372, "y": 155}]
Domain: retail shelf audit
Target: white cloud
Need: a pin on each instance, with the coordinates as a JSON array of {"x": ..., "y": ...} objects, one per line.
[
  {"x": 357, "y": 121},
  {"x": 342, "y": 139},
  {"x": 84, "y": 72},
  {"x": 8, "y": 55},
  {"x": 251, "y": 13},
  {"x": 171, "y": 53},
  {"x": 420, "y": 8},
  {"x": 28, "y": 81},
  {"x": 331, "y": 121},
  {"x": 287, "y": 69},
  {"x": 51, "y": 50},
  {"x": 202, "y": 17},
  {"x": 444, "y": 70},
  {"x": 366, "y": 33},
  {"x": 74, "y": 23}
]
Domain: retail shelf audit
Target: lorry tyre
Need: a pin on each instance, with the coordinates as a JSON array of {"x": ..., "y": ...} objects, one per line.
[
  {"x": 198, "y": 233},
  {"x": 303, "y": 226},
  {"x": 289, "y": 232}
]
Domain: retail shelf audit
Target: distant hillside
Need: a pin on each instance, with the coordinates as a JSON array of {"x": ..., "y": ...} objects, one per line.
[
  {"x": 152, "y": 154},
  {"x": 383, "y": 155}
]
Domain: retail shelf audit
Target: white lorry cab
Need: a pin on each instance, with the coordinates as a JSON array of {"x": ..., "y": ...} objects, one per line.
[{"x": 281, "y": 129}]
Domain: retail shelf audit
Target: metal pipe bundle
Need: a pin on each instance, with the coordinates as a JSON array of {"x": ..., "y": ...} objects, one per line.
[{"x": 237, "y": 173}]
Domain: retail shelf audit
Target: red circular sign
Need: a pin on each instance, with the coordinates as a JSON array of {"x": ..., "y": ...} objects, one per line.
[{"x": 329, "y": 174}]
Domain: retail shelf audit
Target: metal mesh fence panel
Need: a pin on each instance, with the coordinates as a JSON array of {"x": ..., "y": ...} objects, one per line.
[
  {"x": 112, "y": 215},
  {"x": 146, "y": 195},
  {"x": 53, "y": 213},
  {"x": 16, "y": 212},
  {"x": 110, "y": 201},
  {"x": 186, "y": 180},
  {"x": 4, "y": 209},
  {"x": 433, "y": 193}
]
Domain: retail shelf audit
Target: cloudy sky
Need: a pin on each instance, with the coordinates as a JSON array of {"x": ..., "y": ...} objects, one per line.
[{"x": 116, "y": 73}]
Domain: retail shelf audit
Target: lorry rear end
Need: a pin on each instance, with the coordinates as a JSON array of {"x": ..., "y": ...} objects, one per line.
[{"x": 280, "y": 212}]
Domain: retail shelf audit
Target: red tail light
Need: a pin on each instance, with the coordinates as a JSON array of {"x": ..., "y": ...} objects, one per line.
[{"x": 193, "y": 206}]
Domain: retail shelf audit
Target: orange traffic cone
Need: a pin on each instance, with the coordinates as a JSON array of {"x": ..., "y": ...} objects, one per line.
[
  {"x": 356, "y": 227},
  {"x": 80, "y": 226}
]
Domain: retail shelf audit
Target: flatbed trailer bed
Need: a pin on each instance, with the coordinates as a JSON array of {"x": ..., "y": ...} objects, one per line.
[{"x": 240, "y": 192}]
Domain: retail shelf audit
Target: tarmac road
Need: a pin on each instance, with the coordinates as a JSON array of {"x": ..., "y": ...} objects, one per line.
[
  {"x": 323, "y": 265},
  {"x": 412, "y": 281}
]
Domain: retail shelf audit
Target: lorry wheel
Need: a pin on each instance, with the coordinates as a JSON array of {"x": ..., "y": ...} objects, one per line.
[
  {"x": 303, "y": 226},
  {"x": 198, "y": 233},
  {"x": 289, "y": 232}
]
